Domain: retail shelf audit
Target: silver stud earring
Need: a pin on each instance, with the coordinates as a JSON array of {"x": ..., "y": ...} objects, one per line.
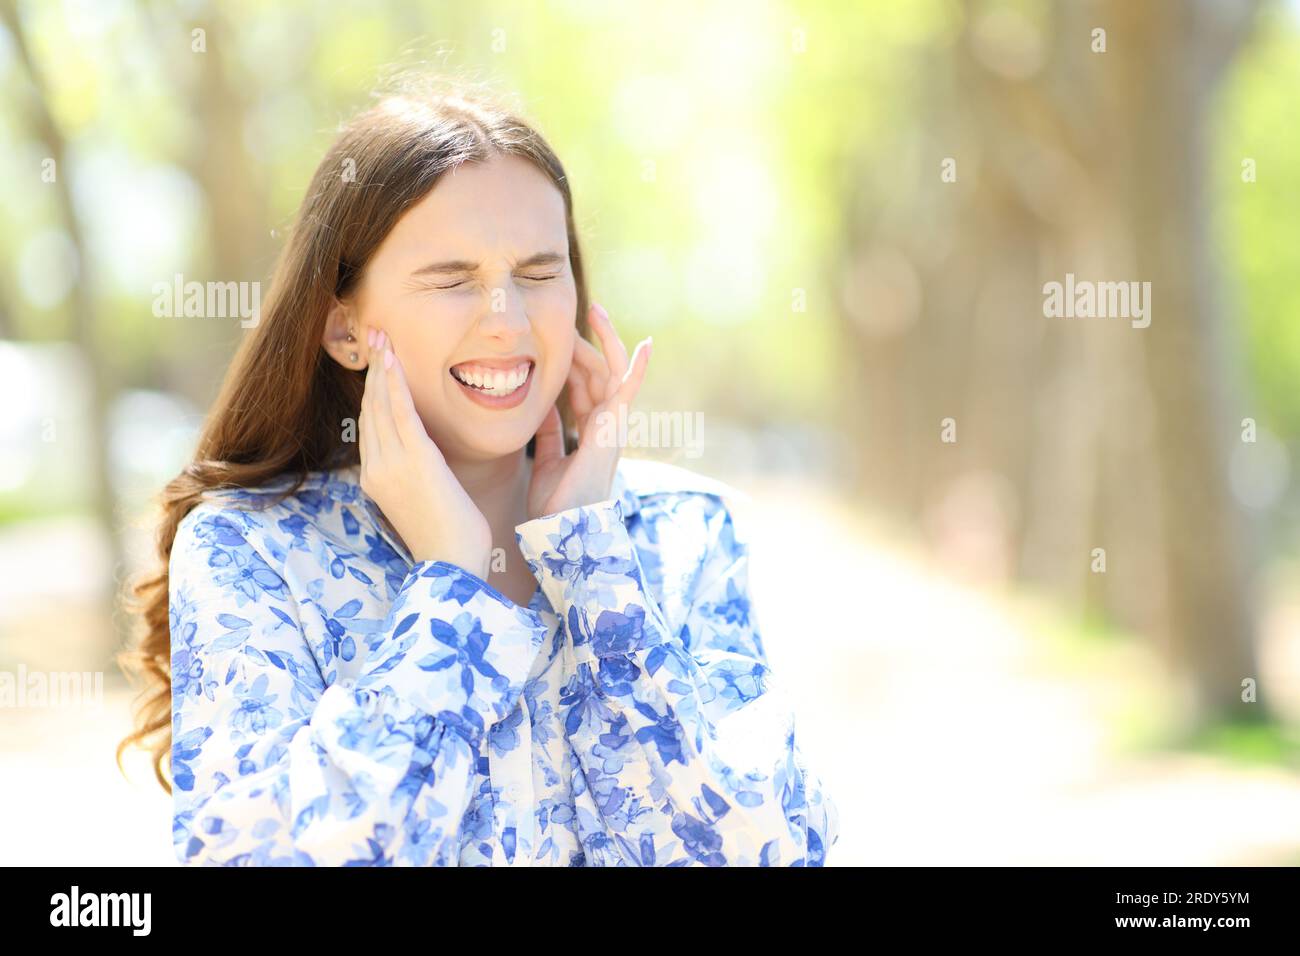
[{"x": 352, "y": 356}]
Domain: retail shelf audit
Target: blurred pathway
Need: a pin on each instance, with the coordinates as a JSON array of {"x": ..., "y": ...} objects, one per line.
[{"x": 950, "y": 734}]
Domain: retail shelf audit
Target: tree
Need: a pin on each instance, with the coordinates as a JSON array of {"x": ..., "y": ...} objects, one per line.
[{"x": 1049, "y": 148}]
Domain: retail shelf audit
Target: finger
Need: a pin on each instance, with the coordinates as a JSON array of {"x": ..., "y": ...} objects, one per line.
[
  {"x": 582, "y": 398},
  {"x": 613, "y": 348},
  {"x": 365, "y": 448},
  {"x": 407, "y": 421},
  {"x": 640, "y": 359},
  {"x": 365, "y": 421},
  {"x": 550, "y": 438},
  {"x": 593, "y": 368},
  {"x": 385, "y": 427},
  {"x": 588, "y": 357},
  {"x": 631, "y": 383}
]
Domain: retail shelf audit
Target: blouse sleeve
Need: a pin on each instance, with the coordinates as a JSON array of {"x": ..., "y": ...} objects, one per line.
[
  {"x": 271, "y": 766},
  {"x": 685, "y": 740}
]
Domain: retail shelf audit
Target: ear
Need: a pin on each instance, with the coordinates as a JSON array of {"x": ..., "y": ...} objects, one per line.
[{"x": 342, "y": 336}]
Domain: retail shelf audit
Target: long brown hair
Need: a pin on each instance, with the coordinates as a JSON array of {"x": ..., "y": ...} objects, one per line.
[{"x": 283, "y": 398}]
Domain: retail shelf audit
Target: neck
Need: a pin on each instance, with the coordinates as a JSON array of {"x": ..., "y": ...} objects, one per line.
[{"x": 499, "y": 488}]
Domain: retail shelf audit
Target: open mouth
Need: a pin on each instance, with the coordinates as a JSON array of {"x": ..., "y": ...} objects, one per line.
[
  {"x": 494, "y": 387},
  {"x": 494, "y": 382}
]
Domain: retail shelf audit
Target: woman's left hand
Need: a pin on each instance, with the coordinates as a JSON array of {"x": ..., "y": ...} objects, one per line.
[{"x": 601, "y": 390}]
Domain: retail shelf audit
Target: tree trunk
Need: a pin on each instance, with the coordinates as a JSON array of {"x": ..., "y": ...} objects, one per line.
[
  {"x": 1068, "y": 160},
  {"x": 100, "y": 386}
]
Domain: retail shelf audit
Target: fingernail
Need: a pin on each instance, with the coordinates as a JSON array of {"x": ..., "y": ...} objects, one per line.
[
  {"x": 600, "y": 309},
  {"x": 370, "y": 338},
  {"x": 388, "y": 358}
]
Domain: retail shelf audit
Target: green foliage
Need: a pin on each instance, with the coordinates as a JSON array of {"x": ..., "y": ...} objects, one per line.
[
  {"x": 1256, "y": 119},
  {"x": 704, "y": 183},
  {"x": 1254, "y": 742}
]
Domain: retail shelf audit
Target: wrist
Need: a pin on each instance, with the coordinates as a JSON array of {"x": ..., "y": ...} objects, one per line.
[
  {"x": 592, "y": 494},
  {"x": 605, "y": 510},
  {"x": 471, "y": 561}
]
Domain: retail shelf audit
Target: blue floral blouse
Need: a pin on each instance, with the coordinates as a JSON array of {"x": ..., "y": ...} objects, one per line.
[{"x": 336, "y": 703}]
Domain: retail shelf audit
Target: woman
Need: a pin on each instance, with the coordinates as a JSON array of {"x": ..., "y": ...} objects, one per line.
[{"x": 411, "y": 617}]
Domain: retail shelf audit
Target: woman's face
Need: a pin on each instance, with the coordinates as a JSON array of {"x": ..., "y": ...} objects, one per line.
[{"x": 474, "y": 288}]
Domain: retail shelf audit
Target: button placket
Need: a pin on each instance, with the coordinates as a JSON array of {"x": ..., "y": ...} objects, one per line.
[
  {"x": 521, "y": 793},
  {"x": 527, "y": 813},
  {"x": 514, "y": 804}
]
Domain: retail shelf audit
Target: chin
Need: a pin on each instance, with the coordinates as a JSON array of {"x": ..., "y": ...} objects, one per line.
[
  {"x": 475, "y": 431},
  {"x": 485, "y": 443}
]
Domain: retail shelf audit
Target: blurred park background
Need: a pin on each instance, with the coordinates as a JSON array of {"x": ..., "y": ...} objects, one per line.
[{"x": 1033, "y": 581}]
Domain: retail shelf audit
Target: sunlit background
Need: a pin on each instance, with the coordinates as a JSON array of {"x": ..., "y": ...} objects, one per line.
[{"x": 1033, "y": 581}]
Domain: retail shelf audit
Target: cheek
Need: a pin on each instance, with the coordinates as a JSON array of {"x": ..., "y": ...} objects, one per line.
[
  {"x": 424, "y": 355},
  {"x": 425, "y": 331},
  {"x": 428, "y": 396},
  {"x": 558, "y": 341},
  {"x": 553, "y": 315},
  {"x": 425, "y": 340}
]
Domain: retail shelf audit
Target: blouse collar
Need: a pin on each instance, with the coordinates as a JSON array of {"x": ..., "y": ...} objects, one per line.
[{"x": 343, "y": 485}]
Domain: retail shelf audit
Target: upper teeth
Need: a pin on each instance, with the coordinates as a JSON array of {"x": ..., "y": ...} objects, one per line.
[{"x": 494, "y": 381}]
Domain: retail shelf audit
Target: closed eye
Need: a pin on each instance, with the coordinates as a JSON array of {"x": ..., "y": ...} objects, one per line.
[{"x": 456, "y": 285}]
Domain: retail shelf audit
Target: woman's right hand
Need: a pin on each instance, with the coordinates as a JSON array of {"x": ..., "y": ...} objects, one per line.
[{"x": 406, "y": 475}]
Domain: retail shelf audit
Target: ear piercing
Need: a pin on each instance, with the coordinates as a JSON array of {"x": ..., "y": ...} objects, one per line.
[{"x": 352, "y": 356}]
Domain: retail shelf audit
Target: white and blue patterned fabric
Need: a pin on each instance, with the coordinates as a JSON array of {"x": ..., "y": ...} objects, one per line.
[{"x": 335, "y": 703}]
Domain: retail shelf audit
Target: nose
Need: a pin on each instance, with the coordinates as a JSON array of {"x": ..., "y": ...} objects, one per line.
[{"x": 505, "y": 318}]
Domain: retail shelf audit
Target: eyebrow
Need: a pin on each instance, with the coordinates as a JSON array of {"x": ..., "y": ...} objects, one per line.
[{"x": 464, "y": 265}]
